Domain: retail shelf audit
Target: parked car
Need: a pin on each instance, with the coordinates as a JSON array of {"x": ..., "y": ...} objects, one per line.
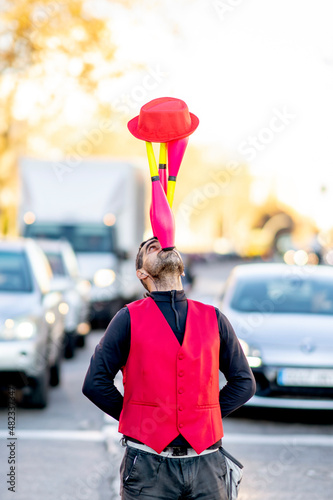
[
  {"x": 75, "y": 291},
  {"x": 283, "y": 317},
  {"x": 31, "y": 324}
]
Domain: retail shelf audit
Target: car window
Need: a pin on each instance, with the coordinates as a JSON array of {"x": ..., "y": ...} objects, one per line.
[
  {"x": 56, "y": 263},
  {"x": 14, "y": 272},
  {"x": 87, "y": 237},
  {"x": 283, "y": 295},
  {"x": 41, "y": 267},
  {"x": 71, "y": 262}
]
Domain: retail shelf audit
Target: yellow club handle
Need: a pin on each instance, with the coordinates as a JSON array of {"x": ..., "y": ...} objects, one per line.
[
  {"x": 171, "y": 191},
  {"x": 163, "y": 153},
  {"x": 151, "y": 159}
]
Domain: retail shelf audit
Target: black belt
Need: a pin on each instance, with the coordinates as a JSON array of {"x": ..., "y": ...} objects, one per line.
[{"x": 180, "y": 451}]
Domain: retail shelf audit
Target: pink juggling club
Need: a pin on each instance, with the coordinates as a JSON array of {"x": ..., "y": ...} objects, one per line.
[
  {"x": 161, "y": 216},
  {"x": 162, "y": 167},
  {"x": 176, "y": 151}
]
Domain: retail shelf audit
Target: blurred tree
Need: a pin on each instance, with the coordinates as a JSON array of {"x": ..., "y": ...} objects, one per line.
[{"x": 54, "y": 56}]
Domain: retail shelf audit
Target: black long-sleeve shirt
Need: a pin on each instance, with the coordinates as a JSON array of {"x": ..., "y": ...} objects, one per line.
[{"x": 112, "y": 351}]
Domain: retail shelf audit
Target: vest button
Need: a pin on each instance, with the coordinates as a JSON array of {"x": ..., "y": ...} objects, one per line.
[
  {"x": 180, "y": 391},
  {"x": 180, "y": 408},
  {"x": 180, "y": 426},
  {"x": 181, "y": 356},
  {"x": 181, "y": 373}
]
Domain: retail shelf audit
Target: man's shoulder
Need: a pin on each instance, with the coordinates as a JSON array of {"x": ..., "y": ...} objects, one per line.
[
  {"x": 195, "y": 302},
  {"x": 119, "y": 318},
  {"x": 203, "y": 310},
  {"x": 201, "y": 305},
  {"x": 137, "y": 303},
  {"x": 221, "y": 316}
]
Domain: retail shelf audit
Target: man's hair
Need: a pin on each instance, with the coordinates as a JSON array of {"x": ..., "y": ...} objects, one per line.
[{"x": 139, "y": 259}]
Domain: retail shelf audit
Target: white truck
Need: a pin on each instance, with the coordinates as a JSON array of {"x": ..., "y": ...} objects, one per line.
[{"x": 98, "y": 206}]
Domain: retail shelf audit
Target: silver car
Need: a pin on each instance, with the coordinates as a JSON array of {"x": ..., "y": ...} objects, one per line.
[
  {"x": 31, "y": 322},
  {"x": 75, "y": 290},
  {"x": 283, "y": 317}
]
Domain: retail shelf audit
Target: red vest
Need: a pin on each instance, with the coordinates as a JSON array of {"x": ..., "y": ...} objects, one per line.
[{"x": 172, "y": 389}]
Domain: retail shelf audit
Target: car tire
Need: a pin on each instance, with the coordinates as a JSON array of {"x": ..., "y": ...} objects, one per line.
[
  {"x": 55, "y": 374},
  {"x": 80, "y": 340},
  {"x": 70, "y": 343},
  {"x": 38, "y": 398}
]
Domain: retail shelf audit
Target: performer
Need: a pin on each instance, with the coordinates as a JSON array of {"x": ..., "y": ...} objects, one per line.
[{"x": 170, "y": 350}]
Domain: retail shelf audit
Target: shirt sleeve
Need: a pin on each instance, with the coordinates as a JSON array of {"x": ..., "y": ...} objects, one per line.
[
  {"x": 241, "y": 384},
  {"x": 110, "y": 356}
]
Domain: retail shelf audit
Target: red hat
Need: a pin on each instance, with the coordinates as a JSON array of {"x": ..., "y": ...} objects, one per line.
[{"x": 162, "y": 120}]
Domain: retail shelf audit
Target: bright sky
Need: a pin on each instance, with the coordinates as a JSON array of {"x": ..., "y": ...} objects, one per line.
[{"x": 241, "y": 66}]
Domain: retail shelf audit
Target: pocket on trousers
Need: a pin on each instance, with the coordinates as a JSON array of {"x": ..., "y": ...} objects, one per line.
[
  {"x": 234, "y": 473},
  {"x": 128, "y": 465},
  {"x": 139, "y": 470},
  {"x": 222, "y": 466}
]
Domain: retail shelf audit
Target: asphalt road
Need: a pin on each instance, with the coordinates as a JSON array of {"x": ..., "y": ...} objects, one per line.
[{"x": 71, "y": 450}]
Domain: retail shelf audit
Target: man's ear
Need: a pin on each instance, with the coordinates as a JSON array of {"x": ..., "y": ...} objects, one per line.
[
  {"x": 183, "y": 273},
  {"x": 141, "y": 275}
]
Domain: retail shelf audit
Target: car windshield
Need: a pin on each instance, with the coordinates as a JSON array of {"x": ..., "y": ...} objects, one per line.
[
  {"x": 14, "y": 272},
  {"x": 283, "y": 295},
  {"x": 83, "y": 237}
]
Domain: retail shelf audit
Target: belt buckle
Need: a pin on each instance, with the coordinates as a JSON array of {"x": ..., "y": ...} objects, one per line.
[{"x": 179, "y": 451}]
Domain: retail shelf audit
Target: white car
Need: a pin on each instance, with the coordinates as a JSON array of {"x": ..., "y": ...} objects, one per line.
[
  {"x": 31, "y": 322},
  {"x": 283, "y": 316},
  {"x": 75, "y": 290}
]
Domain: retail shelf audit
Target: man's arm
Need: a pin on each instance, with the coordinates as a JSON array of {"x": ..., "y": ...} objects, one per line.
[
  {"x": 241, "y": 384},
  {"x": 110, "y": 356}
]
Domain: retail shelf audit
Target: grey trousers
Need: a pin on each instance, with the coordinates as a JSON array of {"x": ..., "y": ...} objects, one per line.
[{"x": 144, "y": 476}]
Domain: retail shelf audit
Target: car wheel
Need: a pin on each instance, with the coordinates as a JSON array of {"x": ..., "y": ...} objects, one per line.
[
  {"x": 80, "y": 341},
  {"x": 55, "y": 374},
  {"x": 70, "y": 342},
  {"x": 38, "y": 398}
]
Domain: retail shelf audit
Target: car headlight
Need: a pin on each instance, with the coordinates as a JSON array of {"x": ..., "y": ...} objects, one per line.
[
  {"x": 104, "y": 277},
  {"x": 63, "y": 308},
  {"x": 18, "y": 329},
  {"x": 83, "y": 287},
  {"x": 252, "y": 353},
  {"x": 50, "y": 317}
]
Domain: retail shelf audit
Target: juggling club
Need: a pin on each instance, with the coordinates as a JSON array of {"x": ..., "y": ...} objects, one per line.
[
  {"x": 161, "y": 216},
  {"x": 162, "y": 167},
  {"x": 176, "y": 150}
]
